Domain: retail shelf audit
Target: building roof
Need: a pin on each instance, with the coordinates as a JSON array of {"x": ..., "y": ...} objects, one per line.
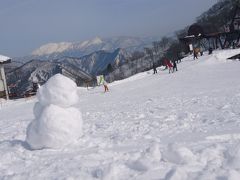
[
  {"x": 204, "y": 30},
  {"x": 4, "y": 59}
]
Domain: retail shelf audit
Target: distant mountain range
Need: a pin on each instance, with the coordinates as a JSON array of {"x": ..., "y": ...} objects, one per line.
[
  {"x": 96, "y": 62},
  {"x": 41, "y": 70},
  {"x": 98, "y": 55},
  {"x": 92, "y": 57},
  {"x": 79, "y": 49}
]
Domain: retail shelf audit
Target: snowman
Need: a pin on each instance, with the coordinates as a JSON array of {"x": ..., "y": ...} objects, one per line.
[{"x": 57, "y": 122}]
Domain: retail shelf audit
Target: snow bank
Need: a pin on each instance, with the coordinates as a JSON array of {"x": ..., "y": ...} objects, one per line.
[
  {"x": 179, "y": 155},
  {"x": 56, "y": 123},
  {"x": 225, "y": 54}
]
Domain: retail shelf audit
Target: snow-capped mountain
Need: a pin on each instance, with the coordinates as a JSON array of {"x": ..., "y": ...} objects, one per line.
[
  {"x": 91, "y": 56},
  {"x": 96, "y": 62},
  {"x": 52, "y": 48},
  {"x": 79, "y": 49}
]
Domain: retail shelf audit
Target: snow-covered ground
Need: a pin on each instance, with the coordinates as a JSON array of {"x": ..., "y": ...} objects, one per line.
[{"x": 180, "y": 126}]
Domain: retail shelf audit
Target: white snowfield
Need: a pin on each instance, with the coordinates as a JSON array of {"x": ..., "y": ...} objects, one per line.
[{"x": 180, "y": 126}]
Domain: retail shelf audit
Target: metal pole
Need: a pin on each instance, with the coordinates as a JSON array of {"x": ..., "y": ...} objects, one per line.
[{"x": 4, "y": 81}]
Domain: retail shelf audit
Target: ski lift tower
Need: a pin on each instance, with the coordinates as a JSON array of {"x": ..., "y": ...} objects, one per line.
[{"x": 3, "y": 82}]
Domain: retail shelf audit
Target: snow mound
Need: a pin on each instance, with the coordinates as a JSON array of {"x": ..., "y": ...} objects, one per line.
[
  {"x": 154, "y": 153},
  {"x": 234, "y": 157},
  {"x": 179, "y": 155},
  {"x": 58, "y": 90},
  {"x": 56, "y": 123},
  {"x": 233, "y": 175},
  {"x": 176, "y": 174}
]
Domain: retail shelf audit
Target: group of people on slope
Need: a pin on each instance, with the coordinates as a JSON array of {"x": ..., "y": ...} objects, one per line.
[
  {"x": 197, "y": 52},
  {"x": 170, "y": 65}
]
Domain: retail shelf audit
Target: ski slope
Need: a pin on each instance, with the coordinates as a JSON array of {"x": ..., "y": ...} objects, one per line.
[{"x": 180, "y": 126}]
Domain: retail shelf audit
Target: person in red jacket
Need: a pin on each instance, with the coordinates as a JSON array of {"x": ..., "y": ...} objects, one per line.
[{"x": 169, "y": 65}]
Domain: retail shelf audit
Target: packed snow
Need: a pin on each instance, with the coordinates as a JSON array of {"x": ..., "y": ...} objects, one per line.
[
  {"x": 57, "y": 123},
  {"x": 180, "y": 126}
]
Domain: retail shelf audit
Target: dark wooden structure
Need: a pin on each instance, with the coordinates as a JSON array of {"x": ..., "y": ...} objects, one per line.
[
  {"x": 208, "y": 36},
  {"x": 80, "y": 77},
  {"x": 3, "y": 83}
]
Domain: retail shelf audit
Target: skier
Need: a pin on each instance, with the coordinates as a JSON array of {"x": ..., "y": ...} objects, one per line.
[
  {"x": 195, "y": 54},
  {"x": 210, "y": 50},
  {"x": 179, "y": 58},
  {"x": 165, "y": 64},
  {"x": 174, "y": 66},
  {"x": 105, "y": 86},
  {"x": 201, "y": 51},
  {"x": 169, "y": 65},
  {"x": 154, "y": 69}
]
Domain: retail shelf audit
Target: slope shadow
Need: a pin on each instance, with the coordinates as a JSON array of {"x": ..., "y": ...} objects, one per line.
[{"x": 16, "y": 142}]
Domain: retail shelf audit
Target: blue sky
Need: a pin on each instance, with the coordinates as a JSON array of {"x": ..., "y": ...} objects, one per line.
[{"x": 28, "y": 24}]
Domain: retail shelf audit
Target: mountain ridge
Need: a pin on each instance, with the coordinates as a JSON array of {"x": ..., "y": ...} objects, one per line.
[{"x": 79, "y": 49}]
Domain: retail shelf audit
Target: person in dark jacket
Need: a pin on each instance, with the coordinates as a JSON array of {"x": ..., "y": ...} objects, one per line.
[
  {"x": 165, "y": 64},
  {"x": 210, "y": 50},
  {"x": 179, "y": 59},
  {"x": 154, "y": 69},
  {"x": 174, "y": 66},
  {"x": 195, "y": 53}
]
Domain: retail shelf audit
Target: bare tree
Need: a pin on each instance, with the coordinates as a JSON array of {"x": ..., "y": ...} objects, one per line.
[
  {"x": 134, "y": 59},
  {"x": 149, "y": 52},
  {"x": 136, "y": 55},
  {"x": 165, "y": 43},
  {"x": 157, "y": 51}
]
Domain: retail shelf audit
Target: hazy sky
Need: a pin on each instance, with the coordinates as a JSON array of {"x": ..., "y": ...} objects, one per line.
[{"x": 27, "y": 24}]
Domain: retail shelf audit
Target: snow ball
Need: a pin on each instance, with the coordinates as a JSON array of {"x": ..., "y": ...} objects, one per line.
[
  {"x": 154, "y": 152},
  {"x": 117, "y": 171},
  {"x": 58, "y": 90},
  {"x": 179, "y": 155},
  {"x": 185, "y": 155},
  {"x": 212, "y": 155},
  {"x": 176, "y": 174},
  {"x": 56, "y": 127}
]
